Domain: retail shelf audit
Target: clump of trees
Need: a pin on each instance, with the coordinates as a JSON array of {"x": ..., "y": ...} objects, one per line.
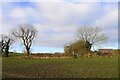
[
  {"x": 25, "y": 32},
  {"x": 87, "y": 38}
]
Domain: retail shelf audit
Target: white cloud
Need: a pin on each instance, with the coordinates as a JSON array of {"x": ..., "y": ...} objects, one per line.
[
  {"x": 0, "y": 18},
  {"x": 57, "y": 22},
  {"x": 23, "y": 14},
  {"x": 54, "y": 40},
  {"x": 18, "y": 13},
  {"x": 108, "y": 19},
  {"x": 14, "y": 0},
  {"x": 59, "y": 0},
  {"x": 59, "y": 13}
]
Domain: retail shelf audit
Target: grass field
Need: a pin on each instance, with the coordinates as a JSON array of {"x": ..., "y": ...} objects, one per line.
[{"x": 92, "y": 67}]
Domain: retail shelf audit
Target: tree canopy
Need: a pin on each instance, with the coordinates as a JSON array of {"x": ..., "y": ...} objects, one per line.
[
  {"x": 91, "y": 35},
  {"x": 27, "y": 33}
]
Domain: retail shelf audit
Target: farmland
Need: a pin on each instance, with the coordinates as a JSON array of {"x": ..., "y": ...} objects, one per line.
[{"x": 85, "y": 67}]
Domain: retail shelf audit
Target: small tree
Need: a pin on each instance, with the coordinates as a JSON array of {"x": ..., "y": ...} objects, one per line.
[
  {"x": 76, "y": 48},
  {"x": 6, "y": 43},
  {"x": 27, "y": 33}
]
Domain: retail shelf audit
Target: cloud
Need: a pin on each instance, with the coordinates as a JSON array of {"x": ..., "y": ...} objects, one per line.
[
  {"x": 23, "y": 14},
  {"x": 0, "y": 17},
  {"x": 14, "y": 0},
  {"x": 109, "y": 24},
  {"x": 18, "y": 13},
  {"x": 72, "y": 13},
  {"x": 57, "y": 22},
  {"x": 109, "y": 19},
  {"x": 59, "y": 0},
  {"x": 60, "y": 13},
  {"x": 60, "y": 27}
]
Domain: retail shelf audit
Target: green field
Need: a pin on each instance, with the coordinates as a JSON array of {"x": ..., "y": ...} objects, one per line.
[{"x": 92, "y": 67}]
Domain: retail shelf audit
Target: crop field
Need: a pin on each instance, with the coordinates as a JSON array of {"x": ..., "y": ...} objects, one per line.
[{"x": 91, "y": 67}]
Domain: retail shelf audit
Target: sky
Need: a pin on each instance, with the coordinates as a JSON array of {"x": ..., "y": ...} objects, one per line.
[{"x": 57, "y": 21}]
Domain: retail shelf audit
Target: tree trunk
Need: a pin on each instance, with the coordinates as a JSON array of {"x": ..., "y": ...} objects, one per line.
[
  {"x": 88, "y": 45},
  {"x": 28, "y": 51},
  {"x": 6, "y": 54},
  {"x": 6, "y": 51}
]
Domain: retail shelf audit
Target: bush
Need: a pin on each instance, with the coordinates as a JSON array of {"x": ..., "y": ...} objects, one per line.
[{"x": 100, "y": 53}]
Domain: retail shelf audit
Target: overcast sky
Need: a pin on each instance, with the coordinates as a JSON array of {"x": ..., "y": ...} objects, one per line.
[{"x": 58, "y": 21}]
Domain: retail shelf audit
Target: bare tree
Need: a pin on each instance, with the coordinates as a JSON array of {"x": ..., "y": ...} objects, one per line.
[
  {"x": 91, "y": 35},
  {"x": 27, "y": 33},
  {"x": 6, "y": 43}
]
